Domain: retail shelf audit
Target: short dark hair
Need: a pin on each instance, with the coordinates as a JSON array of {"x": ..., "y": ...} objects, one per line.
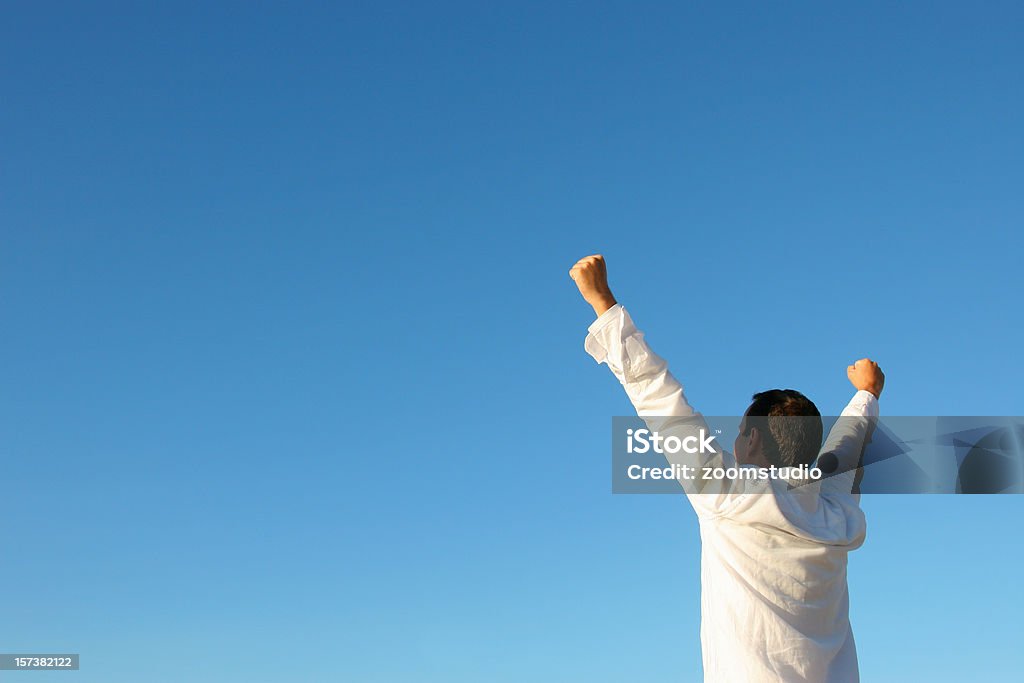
[{"x": 790, "y": 425}]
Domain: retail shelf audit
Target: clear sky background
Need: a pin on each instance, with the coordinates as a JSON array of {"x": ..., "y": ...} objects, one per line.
[{"x": 293, "y": 384}]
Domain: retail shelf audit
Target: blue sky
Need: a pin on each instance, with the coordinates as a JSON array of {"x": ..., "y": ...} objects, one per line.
[{"x": 294, "y": 384}]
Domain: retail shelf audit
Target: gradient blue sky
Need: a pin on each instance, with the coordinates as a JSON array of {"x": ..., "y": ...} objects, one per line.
[{"x": 294, "y": 387}]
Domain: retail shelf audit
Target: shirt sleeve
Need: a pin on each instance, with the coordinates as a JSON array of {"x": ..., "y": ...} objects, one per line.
[
  {"x": 658, "y": 397},
  {"x": 841, "y": 456},
  {"x": 613, "y": 339}
]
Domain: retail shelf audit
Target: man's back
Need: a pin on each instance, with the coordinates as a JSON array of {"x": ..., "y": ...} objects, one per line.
[{"x": 774, "y": 599}]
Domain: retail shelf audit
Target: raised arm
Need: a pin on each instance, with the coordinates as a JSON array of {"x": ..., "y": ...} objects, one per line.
[
  {"x": 615, "y": 340},
  {"x": 655, "y": 393},
  {"x": 843, "y": 451}
]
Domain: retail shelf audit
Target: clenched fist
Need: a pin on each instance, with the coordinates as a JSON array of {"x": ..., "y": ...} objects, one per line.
[
  {"x": 867, "y": 376},
  {"x": 591, "y": 277}
]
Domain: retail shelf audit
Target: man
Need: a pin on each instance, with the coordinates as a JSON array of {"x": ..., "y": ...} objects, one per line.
[{"x": 774, "y": 597}]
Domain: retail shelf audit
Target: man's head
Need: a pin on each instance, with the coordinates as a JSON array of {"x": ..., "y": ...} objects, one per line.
[{"x": 782, "y": 427}]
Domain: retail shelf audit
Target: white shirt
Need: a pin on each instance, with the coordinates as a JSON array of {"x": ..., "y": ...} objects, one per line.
[{"x": 774, "y": 598}]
